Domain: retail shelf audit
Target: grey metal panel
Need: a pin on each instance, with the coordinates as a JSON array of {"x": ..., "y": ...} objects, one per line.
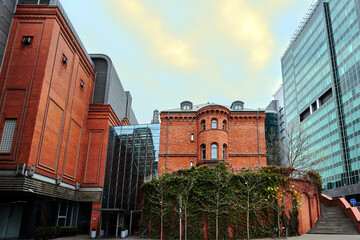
[
  {"x": 9, "y": 5},
  {"x": 7, "y": 8},
  {"x": 101, "y": 67},
  {"x": 4, "y": 26},
  {"x": 133, "y": 119},
  {"x": 2, "y": 50},
  {"x": 343, "y": 191},
  {"x": 108, "y": 88},
  {"x": 116, "y": 96},
  {"x": 26, "y": 184},
  {"x": 6, "y": 15}
]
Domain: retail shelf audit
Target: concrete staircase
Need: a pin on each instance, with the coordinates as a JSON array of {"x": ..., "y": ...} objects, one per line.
[{"x": 333, "y": 221}]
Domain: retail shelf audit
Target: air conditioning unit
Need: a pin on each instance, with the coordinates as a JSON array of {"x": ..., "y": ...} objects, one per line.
[
  {"x": 20, "y": 170},
  {"x": 31, "y": 171}
]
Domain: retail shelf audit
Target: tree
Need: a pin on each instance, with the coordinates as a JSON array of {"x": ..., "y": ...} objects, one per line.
[
  {"x": 296, "y": 149},
  {"x": 188, "y": 199},
  {"x": 158, "y": 198},
  {"x": 219, "y": 197},
  {"x": 248, "y": 197},
  {"x": 273, "y": 148}
]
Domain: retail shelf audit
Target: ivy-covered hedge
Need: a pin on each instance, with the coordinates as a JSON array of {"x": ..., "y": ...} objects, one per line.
[
  {"x": 217, "y": 204},
  {"x": 55, "y": 231}
]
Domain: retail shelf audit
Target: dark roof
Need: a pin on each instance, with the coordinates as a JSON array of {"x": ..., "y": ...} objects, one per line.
[{"x": 197, "y": 107}]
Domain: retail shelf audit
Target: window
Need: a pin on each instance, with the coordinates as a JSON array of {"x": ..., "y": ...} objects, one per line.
[
  {"x": 325, "y": 97},
  {"x": 224, "y": 151},
  {"x": 203, "y": 125},
  {"x": 237, "y": 105},
  {"x": 224, "y": 125},
  {"x": 191, "y": 164},
  {"x": 27, "y": 40},
  {"x": 203, "y": 151},
  {"x": 214, "y": 124},
  {"x": 192, "y": 137},
  {"x": 305, "y": 114},
  {"x": 214, "y": 151},
  {"x": 186, "y": 105},
  {"x": 7, "y": 135}
]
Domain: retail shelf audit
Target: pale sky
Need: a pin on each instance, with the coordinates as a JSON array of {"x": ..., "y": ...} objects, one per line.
[{"x": 169, "y": 51}]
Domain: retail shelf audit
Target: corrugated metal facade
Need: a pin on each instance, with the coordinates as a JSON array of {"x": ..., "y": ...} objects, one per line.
[{"x": 109, "y": 90}]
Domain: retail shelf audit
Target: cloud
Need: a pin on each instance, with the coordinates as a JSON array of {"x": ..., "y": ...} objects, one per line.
[
  {"x": 244, "y": 24},
  {"x": 172, "y": 50}
]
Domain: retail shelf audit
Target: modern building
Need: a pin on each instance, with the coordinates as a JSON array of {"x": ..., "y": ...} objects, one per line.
[
  {"x": 278, "y": 97},
  {"x": 271, "y": 134},
  {"x": 55, "y": 116},
  {"x": 321, "y": 84},
  {"x": 275, "y": 133},
  {"x": 109, "y": 90},
  {"x": 132, "y": 159},
  {"x": 7, "y": 9},
  {"x": 205, "y": 134}
]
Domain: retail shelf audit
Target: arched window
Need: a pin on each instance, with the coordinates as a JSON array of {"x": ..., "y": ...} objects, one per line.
[
  {"x": 203, "y": 125},
  {"x": 203, "y": 151},
  {"x": 214, "y": 151},
  {"x": 214, "y": 123},
  {"x": 224, "y": 125},
  {"x": 224, "y": 151}
]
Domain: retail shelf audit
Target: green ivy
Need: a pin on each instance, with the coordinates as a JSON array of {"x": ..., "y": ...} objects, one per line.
[{"x": 219, "y": 197}]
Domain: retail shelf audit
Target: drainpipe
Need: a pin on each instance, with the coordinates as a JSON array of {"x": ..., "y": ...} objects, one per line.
[
  {"x": 258, "y": 142},
  {"x": 167, "y": 141}
]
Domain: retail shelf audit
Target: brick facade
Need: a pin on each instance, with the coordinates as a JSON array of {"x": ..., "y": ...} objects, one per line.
[
  {"x": 46, "y": 88},
  {"x": 186, "y": 133},
  {"x": 43, "y": 92}
]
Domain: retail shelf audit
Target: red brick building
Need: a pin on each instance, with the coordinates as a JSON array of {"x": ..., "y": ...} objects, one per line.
[
  {"x": 205, "y": 134},
  {"x": 53, "y": 136}
]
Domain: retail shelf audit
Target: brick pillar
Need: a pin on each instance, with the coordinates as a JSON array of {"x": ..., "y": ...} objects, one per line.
[{"x": 95, "y": 217}]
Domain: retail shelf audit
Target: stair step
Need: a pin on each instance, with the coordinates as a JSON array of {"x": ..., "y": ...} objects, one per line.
[{"x": 333, "y": 221}]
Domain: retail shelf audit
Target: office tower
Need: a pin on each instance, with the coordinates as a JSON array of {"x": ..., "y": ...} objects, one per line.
[{"x": 321, "y": 81}]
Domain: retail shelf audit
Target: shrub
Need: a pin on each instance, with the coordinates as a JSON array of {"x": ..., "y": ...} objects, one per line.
[{"x": 39, "y": 232}]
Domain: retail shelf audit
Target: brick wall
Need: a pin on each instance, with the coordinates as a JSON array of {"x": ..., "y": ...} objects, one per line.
[
  {"x": 242, "y": 136},
  {"x": 47, "y": 96}
]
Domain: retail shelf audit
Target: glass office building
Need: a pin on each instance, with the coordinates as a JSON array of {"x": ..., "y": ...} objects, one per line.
[
  {"x": 321, "y": 80},
  {"x": 132, "y": 158}
]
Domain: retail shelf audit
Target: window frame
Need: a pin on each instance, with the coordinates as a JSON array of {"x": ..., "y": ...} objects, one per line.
[
  {"x": 214, "y": 147},
  {"x": 203, "y": 151},
  {"x": 203, "y": 125},
  {"x": 224, "y": 125},
  {"x": 214, "y": 124},
  {"x": 224, "y": 151},
  {"x": 10, "y": 130}
]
